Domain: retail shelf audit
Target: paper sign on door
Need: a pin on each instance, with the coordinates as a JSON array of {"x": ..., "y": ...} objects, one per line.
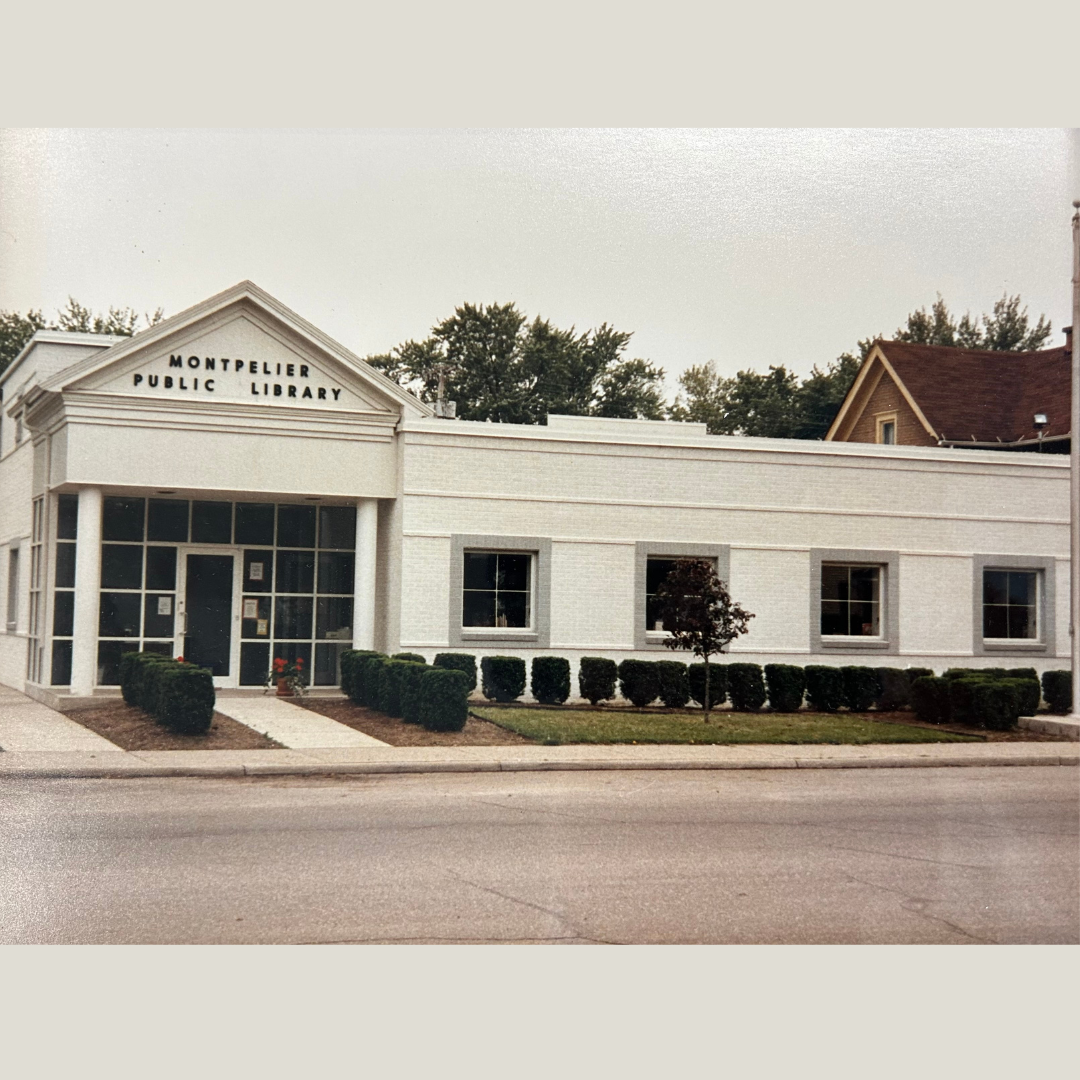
[
  {"x": 164, "y": 605},
  {"x": 251, "y": 609},
  {"x": 255, "y": 571}
]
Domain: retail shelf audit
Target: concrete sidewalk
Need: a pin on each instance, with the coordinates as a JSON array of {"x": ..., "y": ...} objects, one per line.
[
  {"x": 27, "y": 725},
  {"x": 370, "y": 760},
  {"x": 288, "y": 724}
]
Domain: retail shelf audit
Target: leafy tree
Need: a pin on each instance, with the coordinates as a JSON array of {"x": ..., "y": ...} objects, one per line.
[
  {"x": 498, "y": 366},
  {"x": 1006, "y": 330},
  {"x": 699, "y": 613},
  {"x": 16, "y": 330}
]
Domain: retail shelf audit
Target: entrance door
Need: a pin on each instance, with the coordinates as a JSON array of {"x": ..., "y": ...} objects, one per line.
[{"x": 208, "y": 613}]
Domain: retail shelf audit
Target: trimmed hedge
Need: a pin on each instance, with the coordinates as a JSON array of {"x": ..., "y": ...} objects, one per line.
[
  {"x": 368, "y": 678},
  {"x": 914, "y": 673},
  {"x": 550, "y": 683},
  {"x": 458, "y": 661},
  {"x": 785, "y": 684},
  {"x": 639, "y": 681},
  {"x": 409, "y": 678},
  {"x": 443, "y": 699},
  {"x": 502, "y": 677},
  {"x": 746, "y": 687},
  {"x": 178, "y": 695},
  {"x": 596, "y": 678},
  {"x": 894, "y": 689},
  {"x": 674, "y": 683},
  {"x": 1024, "y": 683},
  {"x": 861, "y": 687},
  {"x": 930, "y": 699},
  {"x": 415, "y": 657},
  {"x": 1056, "y": 688},
  {"x": 824, "y": 687},
  {"x": 351, "y": 679},
  {"x": 717, "y": 684}
]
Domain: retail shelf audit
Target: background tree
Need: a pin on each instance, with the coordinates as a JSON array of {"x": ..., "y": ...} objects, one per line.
[
  {"x": 699, "y": 614},
  {"x": 498, "y": 366},
  {"x": 16, "y": 329}
]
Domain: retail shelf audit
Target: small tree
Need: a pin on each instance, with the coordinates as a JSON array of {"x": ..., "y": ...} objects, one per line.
[{"x": 698, "y": 613}]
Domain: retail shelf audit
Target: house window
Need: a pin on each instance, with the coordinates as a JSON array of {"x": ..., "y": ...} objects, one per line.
[
  {"x": 850, "y": 601},
  {"x": 656, "y": 571},
  {"x": 13, "y": 589},
  {"x": 497, "y": 589},
  {"x": 888, "y": 432},
  {"x": 1010, "y": 605}
]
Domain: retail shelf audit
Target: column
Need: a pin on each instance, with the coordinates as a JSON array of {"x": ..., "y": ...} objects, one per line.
[
  {"x": 87, "y": 588},
  {"x": 367, "y": 528}
]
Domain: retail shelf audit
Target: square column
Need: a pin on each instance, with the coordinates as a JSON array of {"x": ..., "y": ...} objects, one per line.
[
  {"x": 367, "y": 528},
  {"x": 87, "y": 602}
]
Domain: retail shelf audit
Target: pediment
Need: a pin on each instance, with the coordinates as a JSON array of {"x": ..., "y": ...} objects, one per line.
[{"x": 239, "y": 352}]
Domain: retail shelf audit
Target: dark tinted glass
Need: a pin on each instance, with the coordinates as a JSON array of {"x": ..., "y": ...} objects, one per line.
[
  {"x": 481, "y": 570},
  {"x": 513, "y": 609},
  {"x": 292, "y": 617},
  {"x": 67, "y": 520},
  {"x": 864, "y": 583},
  {"x": 61, "y": 663},
  {"x": 258, "y": 571},
  {"x": 119, "y": 616},
  {"x": 162, "y": 648},
  {"x": 834, "y": 583},
  {"x": 63, "y": 614},
  {"x": 161, "y": 568},
  {"x": 65, "y": 566},
  {"x": 337, "y": 527},
  {"x": 655, "y": 572},
  {"x": 1021, "y": 588},
  {"x": 336, "y": 571},
  {"x": 478, "y": 608},
  {"x": 122, "y": 519},
  {"x": 833, "y": 617},
  {"x": 333, "y": 617},
  {"x": 158, "y": 615},
  {"x": 108, "y": 658},
  {"x": 167, "y": 519},
  {"x": 327, "y": 663},
  {"x": 254, "y": 663},
  {"x": 255, "y": 523},
  {"x": 211, "y": 523},
  {"x": 296, "y": 526},
  {"x": 514, "y": 572},
  {"x": 1021, "y": 622},
  {"x": 295, "y": 571},
  {"x": 995, "y": 586},
  {"x": 121, "y": 566},
  {"x": 250, "y": 624},
  {"x": 995, "y": 621}
]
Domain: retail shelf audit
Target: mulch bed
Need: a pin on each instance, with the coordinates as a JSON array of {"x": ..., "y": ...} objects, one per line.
[
  {"x": 397, "y": 733},
  {"x": 131, "y": 729}
]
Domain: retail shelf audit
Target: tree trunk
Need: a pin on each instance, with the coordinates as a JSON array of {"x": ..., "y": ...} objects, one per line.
[{"x": 708, "y": 693}]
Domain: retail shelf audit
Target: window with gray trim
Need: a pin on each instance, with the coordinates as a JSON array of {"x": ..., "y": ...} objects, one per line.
[
  {"x": 1013, "y": 603},
  {"x": 500, "y": 590},
  {"x": 653, "y": 560},
  {"x": 854, "y": 600}
]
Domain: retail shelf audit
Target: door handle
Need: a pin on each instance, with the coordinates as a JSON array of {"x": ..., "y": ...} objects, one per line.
[{"x": 183, "y": 622}]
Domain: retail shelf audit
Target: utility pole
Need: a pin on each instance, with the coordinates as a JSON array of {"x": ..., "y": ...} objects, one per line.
[{"x": 1074, "y": 472}]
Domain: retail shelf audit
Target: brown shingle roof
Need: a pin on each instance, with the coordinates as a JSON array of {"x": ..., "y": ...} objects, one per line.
[{"x": 972, "y": 393}]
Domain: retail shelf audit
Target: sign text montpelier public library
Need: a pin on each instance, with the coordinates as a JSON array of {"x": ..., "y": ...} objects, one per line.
[{"x": 249, "y": 367}]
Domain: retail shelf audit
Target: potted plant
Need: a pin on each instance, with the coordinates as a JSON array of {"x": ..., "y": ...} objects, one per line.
[{"x": 288, "y": 676}]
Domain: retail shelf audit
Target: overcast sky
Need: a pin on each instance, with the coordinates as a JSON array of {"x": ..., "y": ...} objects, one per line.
[{"x": 748, "y": 247}]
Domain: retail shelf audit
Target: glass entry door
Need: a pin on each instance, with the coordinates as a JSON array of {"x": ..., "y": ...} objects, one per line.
[{"x": 208, "y": 612}]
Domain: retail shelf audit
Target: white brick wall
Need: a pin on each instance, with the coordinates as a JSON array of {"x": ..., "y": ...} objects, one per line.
[{"x": 592, "y": 595}]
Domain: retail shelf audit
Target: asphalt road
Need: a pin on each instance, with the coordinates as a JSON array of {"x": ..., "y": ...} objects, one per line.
[{"x": 948, "y": 855}]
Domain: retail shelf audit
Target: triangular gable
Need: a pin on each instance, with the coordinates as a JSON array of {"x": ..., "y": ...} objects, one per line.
[
  {"x": 874, "y": 368},
  {"x": 241, "y": 346}
]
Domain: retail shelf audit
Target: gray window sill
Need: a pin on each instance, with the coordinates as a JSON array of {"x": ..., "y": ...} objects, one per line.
[
  {"x": 852, "y": 643},
  {"x": 499, "y": 635},
  {"x": 1014, "y": 646}
]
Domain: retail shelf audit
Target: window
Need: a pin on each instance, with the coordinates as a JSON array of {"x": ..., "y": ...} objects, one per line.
[
  {"x": 653, "y": 561},
  {"x": 497, "y": 589},
  {"x": 13, "y": 589},
  {"x": 888, "y": 432},
  {"x": 850, "y": 601},
  {"x": 656, "y": 570},
  {"x": 1011, "y": 604}
]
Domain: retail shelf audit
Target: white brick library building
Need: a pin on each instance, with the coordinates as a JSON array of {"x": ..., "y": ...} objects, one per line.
[{"x": 232, "y": 485}]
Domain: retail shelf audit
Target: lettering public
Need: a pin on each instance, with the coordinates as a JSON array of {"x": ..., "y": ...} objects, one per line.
[{"x": 252, "y": 367}]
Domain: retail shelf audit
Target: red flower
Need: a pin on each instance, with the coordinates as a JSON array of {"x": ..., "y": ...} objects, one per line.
[
  {"x": 299, "y": 662},
  {"x": 179, "y": 659}
]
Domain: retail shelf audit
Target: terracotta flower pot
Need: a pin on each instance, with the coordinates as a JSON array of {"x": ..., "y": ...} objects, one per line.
[{"x": 283, "y": 688}]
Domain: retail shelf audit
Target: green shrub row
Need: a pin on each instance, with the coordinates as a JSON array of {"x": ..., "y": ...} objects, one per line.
[
  {"x": 994, "y": 698},
  {"x": 403, "y": 685},
  {"x": 180, "y": 696}
]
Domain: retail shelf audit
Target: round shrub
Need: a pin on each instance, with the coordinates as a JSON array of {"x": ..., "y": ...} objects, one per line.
[
  {"x": 459, "y": 661},
  {"x": 998, "y": 703},
  {"x": 785, "y": 684},
  {"x": 674, "y": 683},
  {"x": 185, "y": 697},
  {"x": 550, "y": 679},
  {"x": 368, "y": 678},
  {"x": 351, "y": 674},
  {"x": 502, "y": 677},
  {"x": 409, "y": 678},
  {"x": 824, "y": 687},
  {"x": 930, "y": 699},
  {"x": 746, "y": 687},
  {"x": 895, "y": 692},
  {"x": 596, "y": 678},
  {"x": 415, "y": 657},
  {"x": 914, "y": 673},
  {"x": 444, "y": 699},
  {"x": 861, "y": 687},
  {"x": 717, "y": 684},
  {"x": 639, "y": 681},
  {"x": 1057, "y": 689}
]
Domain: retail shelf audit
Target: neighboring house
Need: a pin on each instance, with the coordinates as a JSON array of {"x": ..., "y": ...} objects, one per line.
[
  {"x": 232, "y": 485},
  {"x": 936, "y": 395}
]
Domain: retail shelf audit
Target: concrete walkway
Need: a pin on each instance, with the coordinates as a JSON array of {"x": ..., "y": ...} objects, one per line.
[
  {"x": 27, "y": 725},
  {"x": 288, "y": 724},
  {"x": 369, "y": 759}
]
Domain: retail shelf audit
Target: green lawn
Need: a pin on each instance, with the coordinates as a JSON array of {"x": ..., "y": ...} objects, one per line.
[{"x": 625, "y": 726}]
